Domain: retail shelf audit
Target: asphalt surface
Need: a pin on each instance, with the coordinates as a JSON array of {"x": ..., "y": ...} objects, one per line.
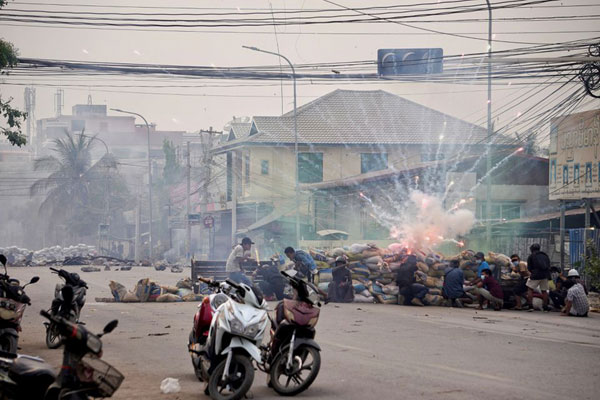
[{"x": 369, "y": 350}]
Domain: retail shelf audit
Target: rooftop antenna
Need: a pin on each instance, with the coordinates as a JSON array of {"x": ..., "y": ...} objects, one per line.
[
  {"x": 59, "y": 101},
  {"x": 30, "y": 110}
]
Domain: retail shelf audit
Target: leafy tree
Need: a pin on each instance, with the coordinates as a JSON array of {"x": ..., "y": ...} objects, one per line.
[
  {"x": 172, "y": 169},
  {"x": 12, "y": 117},
  {"x": 592, "y": 265},
  {"x": 78, "y": 193}
]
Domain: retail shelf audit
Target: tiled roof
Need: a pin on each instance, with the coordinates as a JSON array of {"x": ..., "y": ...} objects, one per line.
[
  {"x": 241, "y": 129},
  {"x": 366, "y": 117}
]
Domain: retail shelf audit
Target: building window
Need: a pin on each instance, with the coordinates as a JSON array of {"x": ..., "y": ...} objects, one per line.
[
  {"x": 565, "y": 174},
  {"x": 247, "y": 168},
  {"x": 373, "y": 162},
  {"x": 264, "y": 167},
  {"x": 78, "y": 125},
  {"x": 588, "y": 174},
  {"x": 553, "y": 171},
  {"x": 576, "y": 174},
  {"x": 310, "y": 167},
  {"x": 499, "y": 211},
  {"x": 425, "y": 157}
]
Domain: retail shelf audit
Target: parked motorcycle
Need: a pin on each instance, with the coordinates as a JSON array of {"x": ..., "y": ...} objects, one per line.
[
  {"x": 70, "y": 310},
  {"x": 13, "y": 301},
  {"x": 83, "y": 374},
  {"x": 292, "y": 359},
  {"x": 222, "y": 353}
]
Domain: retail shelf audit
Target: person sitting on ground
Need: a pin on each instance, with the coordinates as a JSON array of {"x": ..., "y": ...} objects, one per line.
[
  {"x": 559, "y": 294},
  {"x": 413, "y": 293},
  {"x": 520, "y": 291},
  {"x": 481, "y": 263},
  {"x": 340, "y": 289},
  {"x": 489, "y": 289},
  {"x": 305, "y": 265},
  {"x": 577, "y": 304},
  {"x": 538, "y": 264},
  {"x": 453, "y": 284}
]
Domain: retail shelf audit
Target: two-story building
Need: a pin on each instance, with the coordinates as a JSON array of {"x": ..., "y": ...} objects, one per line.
[{"x": 344, "y": 134}]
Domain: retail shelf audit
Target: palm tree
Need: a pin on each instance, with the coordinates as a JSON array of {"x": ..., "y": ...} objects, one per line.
[{"x": 75, "y": 187}]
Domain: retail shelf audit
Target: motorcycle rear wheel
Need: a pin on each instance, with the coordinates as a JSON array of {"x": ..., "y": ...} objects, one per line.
[
  {"x": 8, "y": 344},
  {"x": 241, "y": 376},
  {"x": 305, "y": 359},
  {"x": 53, "y": 339}
]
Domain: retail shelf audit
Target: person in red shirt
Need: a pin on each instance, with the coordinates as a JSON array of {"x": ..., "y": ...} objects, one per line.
[{"x": 489, "y": 289}]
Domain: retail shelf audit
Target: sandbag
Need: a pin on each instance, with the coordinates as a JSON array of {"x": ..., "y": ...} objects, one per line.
[
  {"x": 386, "y": 281},
  {"x": 390, "y": 289},
  {"x": 155, "y": 291},
  {"x": 117, "y": 290},
  {"x": 325, "y": 276},
  {"x": 434, "y": 300},
  {"x": 423, "y": 267},
  {"x": 184, "y": 292},
  {"x": 435, "y": 291},
  {"x": 169, "y": 289},
  {"x": 435, "y": 273},
  {"x": 359, "y": 247},
  {"x": 373, "y": 260},
  {"x": 130, "y": 298},
  {"x": 469, "y": 274},
  {"x": 355, "y": 256},
  {"x": 338, "y": 252},
  {"x": 438, "y": 266},
  {"x": 167, "y": 297},
  {"x": 317, "y": 256},
  {"x": 387, "y": 299},
  {"x": 322, "y": 265},
  {"x": 359, "y": 298},
  {"x": 142, "y": 289},
  {"x": 359, "y": 271},
  {"x": 394, "y": 266},
  {"x": 499, "y": 259},
  {"x": 433, "y": 282},
  {"x": 358, "y": 286},
  {"x": 375, "y": 288},
  {"x": 185, "y": 283}
]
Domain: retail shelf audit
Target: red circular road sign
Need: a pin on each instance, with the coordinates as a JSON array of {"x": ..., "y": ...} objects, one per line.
[{"x": 209, "y": 221}]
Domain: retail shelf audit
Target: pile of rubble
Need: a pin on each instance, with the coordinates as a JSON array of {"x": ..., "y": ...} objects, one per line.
[
  {"x": 48, "y": 256},
  {"x": 147, "y": 290},
  {"x": 374, "y": 270}
]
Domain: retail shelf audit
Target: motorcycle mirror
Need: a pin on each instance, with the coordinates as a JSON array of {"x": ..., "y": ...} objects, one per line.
[
  {"x": 110, "y": 326},
  {"x": 290, "y": 273},
  {"x": 34, "y": 280}
]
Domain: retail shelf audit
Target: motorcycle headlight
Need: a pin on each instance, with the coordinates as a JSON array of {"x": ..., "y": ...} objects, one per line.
[
  {"x": 252, "y": 330},
  {"x": 236, "y": 326},
  {"x": 94, "y": 344}
]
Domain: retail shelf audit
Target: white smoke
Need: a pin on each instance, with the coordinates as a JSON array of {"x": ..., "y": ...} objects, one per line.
[{"x": 424, "y": 223}]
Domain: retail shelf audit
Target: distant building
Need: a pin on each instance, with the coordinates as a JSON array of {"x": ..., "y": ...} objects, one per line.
[{"x": 344, "y": 134}]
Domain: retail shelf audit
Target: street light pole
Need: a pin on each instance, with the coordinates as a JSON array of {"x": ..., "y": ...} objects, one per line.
[
  {"x": 149, "y": 174},
  {"x": 297, "y": 185},
  {"x": 488, "y": 187}
]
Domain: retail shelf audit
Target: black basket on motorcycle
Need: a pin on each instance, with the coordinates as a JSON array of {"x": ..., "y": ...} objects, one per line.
[{"x": 93, "y": 370}]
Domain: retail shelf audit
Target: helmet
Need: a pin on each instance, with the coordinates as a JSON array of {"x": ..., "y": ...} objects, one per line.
[{"x": 573, "y": 273}]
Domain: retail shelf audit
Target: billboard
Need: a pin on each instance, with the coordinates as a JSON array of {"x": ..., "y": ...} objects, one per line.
[
  {"x": 574, "y": 164},
  {"x": 392, "y": 62}
]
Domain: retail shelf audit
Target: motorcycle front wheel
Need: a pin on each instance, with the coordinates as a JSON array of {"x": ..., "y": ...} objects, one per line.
[
  {"x": 8, "y": 344},
  {"x": 238, "y": 382},
  {"x": 53, "y": 339},
  {"x": 306, "y": 363}
]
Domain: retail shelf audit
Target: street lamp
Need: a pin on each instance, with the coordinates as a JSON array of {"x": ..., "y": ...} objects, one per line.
[
  {"x": 488, "y": 187},
  {"x": 149, "y": 173},
  {"x": 295, "y": 137}
]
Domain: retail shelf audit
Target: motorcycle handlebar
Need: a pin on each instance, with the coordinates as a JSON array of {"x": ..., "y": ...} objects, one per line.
[{"x": 232, "y": 283}]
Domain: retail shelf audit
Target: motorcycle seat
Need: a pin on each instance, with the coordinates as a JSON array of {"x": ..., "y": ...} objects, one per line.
[{"x": 30, "y": 371}]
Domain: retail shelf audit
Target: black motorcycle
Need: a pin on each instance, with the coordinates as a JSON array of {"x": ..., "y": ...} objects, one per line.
[
  {"x": 13, "y": 301},
  {"x": 83, "y": 374},
  {"x": 70, "y": 310}
]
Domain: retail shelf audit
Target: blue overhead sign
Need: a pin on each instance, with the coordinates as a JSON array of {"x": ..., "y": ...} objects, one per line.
[{"x": 392, "y": 62}]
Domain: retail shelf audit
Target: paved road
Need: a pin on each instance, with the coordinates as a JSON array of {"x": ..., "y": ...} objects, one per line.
[{"x": 369, "y": 351}]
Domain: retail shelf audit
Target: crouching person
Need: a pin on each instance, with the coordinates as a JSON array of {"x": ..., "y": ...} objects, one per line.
[
  {"x": 340, "y": 289},
  {"x": 453, "y": 285},
  {"x": 577, "y": 304},
  {"x": 489, "y": 290},
  {"x": 413, "y": 293}
]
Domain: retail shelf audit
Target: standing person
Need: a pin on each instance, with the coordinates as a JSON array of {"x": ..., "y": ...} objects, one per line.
[
  {"x": 538, "y": 264},
  {"x": 453, "y": 284},
  {"x": 233, "y": 267},
  {"x": 577, "y": 304},
  {"x": 489, "y": 289},
  {"x": 481, "y": 263},
  {"x": 520, "y": 291},
  {"x": 305, "y": 264},
  {"x": 340, "y": 289},
  {"x": 413, "y": 293}
]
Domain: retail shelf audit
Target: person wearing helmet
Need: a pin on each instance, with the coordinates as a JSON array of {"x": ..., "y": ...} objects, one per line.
[
  {"x": 538, "y": 264},
  {"x": 239, "y": 254},
  {"x": 340, "y": 289},
  {"x": 577, "y": 304}
]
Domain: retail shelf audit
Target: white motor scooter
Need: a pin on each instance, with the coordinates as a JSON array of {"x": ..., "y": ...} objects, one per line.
[{"x": 236, "y": 332}]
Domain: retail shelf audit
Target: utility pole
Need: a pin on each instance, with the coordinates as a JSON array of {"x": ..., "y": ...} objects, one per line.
[
  {"x": 586, "y": 231},
  {"x": 562, "y": 235},
  {"x": 138, "y": 218},
  {"x": 488, "y": 187},
  {"x": 188, "y": 227},
  {"x": 233, "y": 198}
]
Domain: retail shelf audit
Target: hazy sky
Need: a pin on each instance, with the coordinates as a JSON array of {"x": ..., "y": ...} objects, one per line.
[{"x": 198, "y": 108}]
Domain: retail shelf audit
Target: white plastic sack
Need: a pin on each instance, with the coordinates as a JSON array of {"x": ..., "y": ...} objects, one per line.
[{"x": 170, "y": 385}]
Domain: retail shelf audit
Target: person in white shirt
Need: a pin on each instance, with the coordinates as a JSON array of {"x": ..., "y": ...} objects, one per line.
[{"x": 239, "y": 254}]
